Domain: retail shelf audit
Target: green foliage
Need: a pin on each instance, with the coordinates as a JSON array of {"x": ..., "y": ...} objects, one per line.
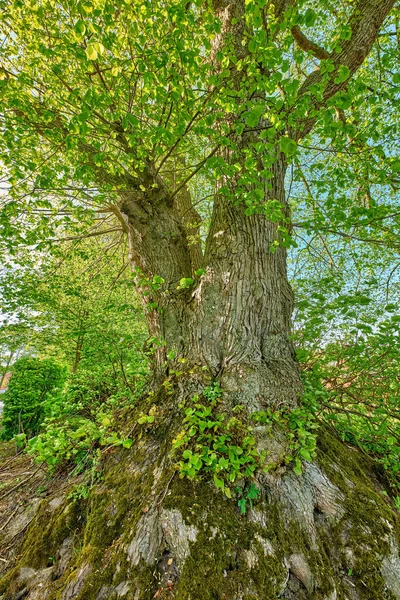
[
  {"x": 81, "y": 312},
  {"x": 79, "y": 493},
  {"x": 299, "y": 423},
  {"x": 81, "y": 421},
  {"x": 146, "y": 419},
  {"x": 185, "y": 283},
  {"x": 214, "y": 443},
  {"x": 247, "y": 497},
  {"x": 34, "y": 383},
  {"x": 348, "y": 344}
]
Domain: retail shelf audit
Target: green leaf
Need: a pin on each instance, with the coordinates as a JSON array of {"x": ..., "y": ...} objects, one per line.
[
  {"x": 79, "y": 30},
  {"x": 219, "y": 483},
  {"x": 91, "y": 52},
  {"x": 185, "y": 282},
  {"x": 288, "y": 146},
  {"x": 305, "y": 454},
  {"x": 343, "y": 73},
  {"x": 298, "y": 469},
  {"x": 252, "y": 46},
  {"x": 309, "y": 17}
]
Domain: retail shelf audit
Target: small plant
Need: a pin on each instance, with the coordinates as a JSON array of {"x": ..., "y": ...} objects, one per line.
[
  {"x": 148, "y": 419},
  {"x": 300, "y": 425},
  {"x": 185, "y": 283},
  {"x": 224, "y": 446},
  {"x": 79, "y": 492},
  {"x": 247, "y": 496},
  {"x": 213, "y": 443},
  {"x": 75, "y": 440}
]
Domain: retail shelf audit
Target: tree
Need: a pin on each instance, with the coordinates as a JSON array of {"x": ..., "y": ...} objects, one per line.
[
  {"x": 13, "y": 338},
  {"x": 79, "y": 309},
  {"x": 120, "y": 113}
]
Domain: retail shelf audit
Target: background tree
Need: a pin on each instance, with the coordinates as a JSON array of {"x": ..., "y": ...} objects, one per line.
[
  {"x": 13, "y": 339},
  {"x": 114, "y": 116},
  {"x": 79, "y": 309}
]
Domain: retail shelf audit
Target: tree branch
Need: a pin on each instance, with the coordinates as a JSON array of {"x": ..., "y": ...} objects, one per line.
[
  {"x": 309, "y": 46},
  {"x": 365, "y": 23}
]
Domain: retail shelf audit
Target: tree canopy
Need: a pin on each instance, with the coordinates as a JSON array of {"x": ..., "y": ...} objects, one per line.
[{"x": 99, "y": 100}]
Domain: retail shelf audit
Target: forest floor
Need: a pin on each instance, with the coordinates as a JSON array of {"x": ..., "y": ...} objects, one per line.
[{"x": 23, "y": 484}]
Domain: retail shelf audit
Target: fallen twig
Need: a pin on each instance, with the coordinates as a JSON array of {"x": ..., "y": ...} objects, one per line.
[
  {"x": 20, "y": 484},
  {"x": 9, "y": 519}
]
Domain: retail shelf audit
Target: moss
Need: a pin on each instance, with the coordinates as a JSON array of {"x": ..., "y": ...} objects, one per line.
[
  {"x": 227, "y": 559},
  {"x": 368, "y": 520},
  {"x": 43, "y": 540},
  {"x": 217, "y": 566},
  {"x": 7, "y": 450},
  {"x": 114, "y": 509}
]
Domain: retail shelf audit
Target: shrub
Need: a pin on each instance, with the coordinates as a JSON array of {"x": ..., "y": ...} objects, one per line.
[
  {"x": 80, "y": 421},
  {"x": 31, "y": 386}
]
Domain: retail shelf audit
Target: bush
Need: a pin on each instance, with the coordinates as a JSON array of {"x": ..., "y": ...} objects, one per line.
[
  {"x": 31, "y": 386},
  {"x": 80, "y": 421}
]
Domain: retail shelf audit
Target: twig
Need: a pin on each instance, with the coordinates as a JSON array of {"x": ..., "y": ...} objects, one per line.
[
  {"x": 166, "y": 489},
  {"x": 20, "y": 484},
  {"x": 9, "y": 519},
  {"x": 10, "y": 460}
]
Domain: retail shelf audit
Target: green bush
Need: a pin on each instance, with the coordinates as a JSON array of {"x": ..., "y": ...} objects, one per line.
[
  {"x": 31, "y": 386},
  {"x": 80, "y": 421}
]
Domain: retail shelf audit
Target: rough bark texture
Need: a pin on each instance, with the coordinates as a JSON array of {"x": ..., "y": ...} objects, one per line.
[
  {"x": 243, "y": 304},
  {"x": 236, "y": 318}
]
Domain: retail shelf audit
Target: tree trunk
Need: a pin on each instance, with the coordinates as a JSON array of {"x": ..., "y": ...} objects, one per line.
[
  {"x": 235, "y": 318},
  {"x": 3, "y": 376}
]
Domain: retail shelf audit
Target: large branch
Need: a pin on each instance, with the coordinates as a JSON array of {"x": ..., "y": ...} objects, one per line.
[
  {"x": 365, "y": 23},
  {"x": 308, "y": 45}
]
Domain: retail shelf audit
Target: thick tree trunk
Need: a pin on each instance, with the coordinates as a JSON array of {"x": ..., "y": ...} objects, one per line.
[
  {"x": 241, "y": 309},
  {"x": 235, "y": 318}
]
